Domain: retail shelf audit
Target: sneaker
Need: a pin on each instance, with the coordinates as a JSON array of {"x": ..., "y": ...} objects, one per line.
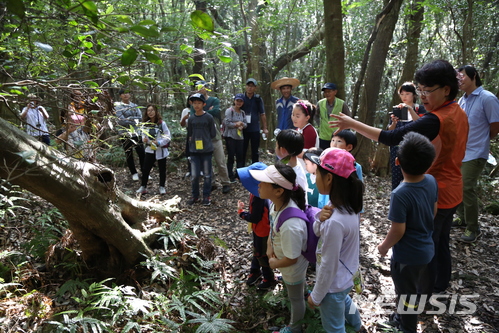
[
  {"x": 135, "y": 177},
  {"x": 232, "y": 180},
  {"x": 253, "y": 278},
  {"x": 162, "y": 190},
  {"x": 225, "y": 189},
  {"x": 206, "y": 201},
  {"x": 266, "y": 284},
  {"x": 192, "y": 201},
  {"x": 187, "y": 175},
  {"x": 284, "y": 330},
  {"x": 142, "y": 190},
  {"x": 458, "y": 223},
  {"x": 470, "y": 236}
]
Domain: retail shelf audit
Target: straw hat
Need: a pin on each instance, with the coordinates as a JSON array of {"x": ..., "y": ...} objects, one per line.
[
  {"x": 33, "y": 97},
  {"x": 285, "y": 81}
]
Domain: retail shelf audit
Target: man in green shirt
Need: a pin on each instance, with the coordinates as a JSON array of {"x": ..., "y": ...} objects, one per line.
[{"x": 327, "y": 106}]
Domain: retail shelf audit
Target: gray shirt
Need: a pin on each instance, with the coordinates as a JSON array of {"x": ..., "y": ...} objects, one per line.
[
  {"x": 200, "y": 131},
  {"x": 230, "y": 120}
]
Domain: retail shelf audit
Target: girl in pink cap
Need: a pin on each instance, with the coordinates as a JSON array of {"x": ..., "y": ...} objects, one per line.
[
  {"x": 338, "y": 248},
  {"x": 285, "y": 246}
]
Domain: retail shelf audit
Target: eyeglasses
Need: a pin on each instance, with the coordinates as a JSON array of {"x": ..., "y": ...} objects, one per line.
[{"x": 426, "y": 92}]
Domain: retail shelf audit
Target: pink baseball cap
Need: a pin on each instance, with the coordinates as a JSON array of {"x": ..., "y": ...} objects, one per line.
[{"x": 335, "y": 160}]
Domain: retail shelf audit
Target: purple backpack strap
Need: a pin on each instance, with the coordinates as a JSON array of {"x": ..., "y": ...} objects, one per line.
[{"x": 288, "y": 213}]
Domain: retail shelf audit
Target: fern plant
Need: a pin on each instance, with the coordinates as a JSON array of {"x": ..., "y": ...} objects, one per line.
[{"x": 211, "y": 323}]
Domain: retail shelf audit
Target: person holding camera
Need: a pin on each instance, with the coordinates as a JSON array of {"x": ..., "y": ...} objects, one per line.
[
  {"x": 401, "y": 115},
  {"x": 156, "y": 137},
  {"x": 36, "y": 120}
]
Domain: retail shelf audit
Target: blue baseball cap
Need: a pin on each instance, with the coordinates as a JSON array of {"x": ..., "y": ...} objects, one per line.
[
  {"x": 250, "y": 183},
  {"x": 330, "y": 86},
  {"x": 239, "y": 96}
]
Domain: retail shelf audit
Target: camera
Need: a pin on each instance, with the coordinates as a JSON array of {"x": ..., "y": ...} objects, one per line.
[{"x": 400, "y": 113}]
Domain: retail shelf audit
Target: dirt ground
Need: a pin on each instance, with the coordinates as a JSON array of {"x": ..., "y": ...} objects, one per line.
[{"x": 471, "y": 303}]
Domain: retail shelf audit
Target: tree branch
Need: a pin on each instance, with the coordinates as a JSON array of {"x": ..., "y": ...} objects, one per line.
[{"x": 301, "y": 50}]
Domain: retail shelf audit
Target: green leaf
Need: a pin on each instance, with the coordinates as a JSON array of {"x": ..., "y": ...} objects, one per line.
[
  {"x": 225, "y": 58},
  {"x": 67, "y": 54},
  {"x": 129, "y": 56},
  {"x": 92, "y": 84},
  {"x": 109, "y": 10},
  {"x": 124, "y": 19},
  {"x": 147, "y": 22},
  {"x": 123, "y": 79},
  {"x": 90, "y": 6},
  {"x": 16, "y": 7},
  {"x": 147, "y": 47},
  {"x": 140, "y": 84},
  {"x": 202, "y": 20},
  {"x": 186, "y": 48},
  {"x": 145, "y": 32},
  {"x": 151, "y": 57}
]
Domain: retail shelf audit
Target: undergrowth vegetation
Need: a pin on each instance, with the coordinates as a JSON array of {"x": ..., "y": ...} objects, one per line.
[{"x": 178, "y": 289}]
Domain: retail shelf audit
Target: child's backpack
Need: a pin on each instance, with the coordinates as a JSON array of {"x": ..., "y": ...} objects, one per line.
[{"x": 309, "y": 217}]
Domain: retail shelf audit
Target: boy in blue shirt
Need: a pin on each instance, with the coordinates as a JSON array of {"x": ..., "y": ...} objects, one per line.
[{"x": 413, "y": 205}]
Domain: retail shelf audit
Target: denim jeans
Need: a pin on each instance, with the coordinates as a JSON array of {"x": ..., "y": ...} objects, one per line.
[
  {"x": 468, "y": 209},
  {"x": 201, "y": 162},
  {"x": 336, "y": 308}
]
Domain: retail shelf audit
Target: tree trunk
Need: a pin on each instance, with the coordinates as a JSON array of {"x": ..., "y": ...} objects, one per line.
[
  {"x": 380, "y": 164},
  {"x": 374, "y": 73},
  {"x": 335, "y": 48},
  {"x": 106, "y": 223}
]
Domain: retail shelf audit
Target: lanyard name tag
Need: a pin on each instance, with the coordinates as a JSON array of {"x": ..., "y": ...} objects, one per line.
[
  {"x": 248, "y": 118},
  {"x": 199, "y": 144}
]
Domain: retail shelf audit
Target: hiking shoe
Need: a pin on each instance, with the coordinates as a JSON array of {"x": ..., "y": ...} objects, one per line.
[
  {"x": 266, "y": 284},
  {"x": 187, "y": 175},
  {"x": 162, "y": 190},
  {"x": 192, "y": 201},
  {"x": 135, "y": 177},
  {"x": 141, "y": 190},
  {"x": 253, "y": 278},
  {"x": 232, "y": 180},
  {"x": 285, "y": 329},
  {"x": 206, "y": 201},
  {"x": 470, "y": 236},
  {"x": 225, "y": 189},
  {"x": 458, "y": 223}
]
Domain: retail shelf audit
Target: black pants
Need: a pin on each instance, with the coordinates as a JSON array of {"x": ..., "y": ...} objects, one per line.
[
  {"x": 406, "y": 279},
  {"x": 146, "y": 169},
  {"x": 439, "y": 268},
  {"x": 128, "y": 145},
  {"x": 234, "y": 149},
  {"x": 254, "y": 138},
  {"x": 260, "y": 259}
]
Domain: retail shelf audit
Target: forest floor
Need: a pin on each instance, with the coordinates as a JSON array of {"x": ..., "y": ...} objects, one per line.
[{"x": 471, "y": 303}]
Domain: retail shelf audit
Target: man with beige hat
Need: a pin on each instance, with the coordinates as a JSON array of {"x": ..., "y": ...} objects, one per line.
[{"x": 284, "y": 105}]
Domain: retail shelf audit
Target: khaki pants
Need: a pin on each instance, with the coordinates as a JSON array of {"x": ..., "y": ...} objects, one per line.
[{"x": 468, "y": 209}]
